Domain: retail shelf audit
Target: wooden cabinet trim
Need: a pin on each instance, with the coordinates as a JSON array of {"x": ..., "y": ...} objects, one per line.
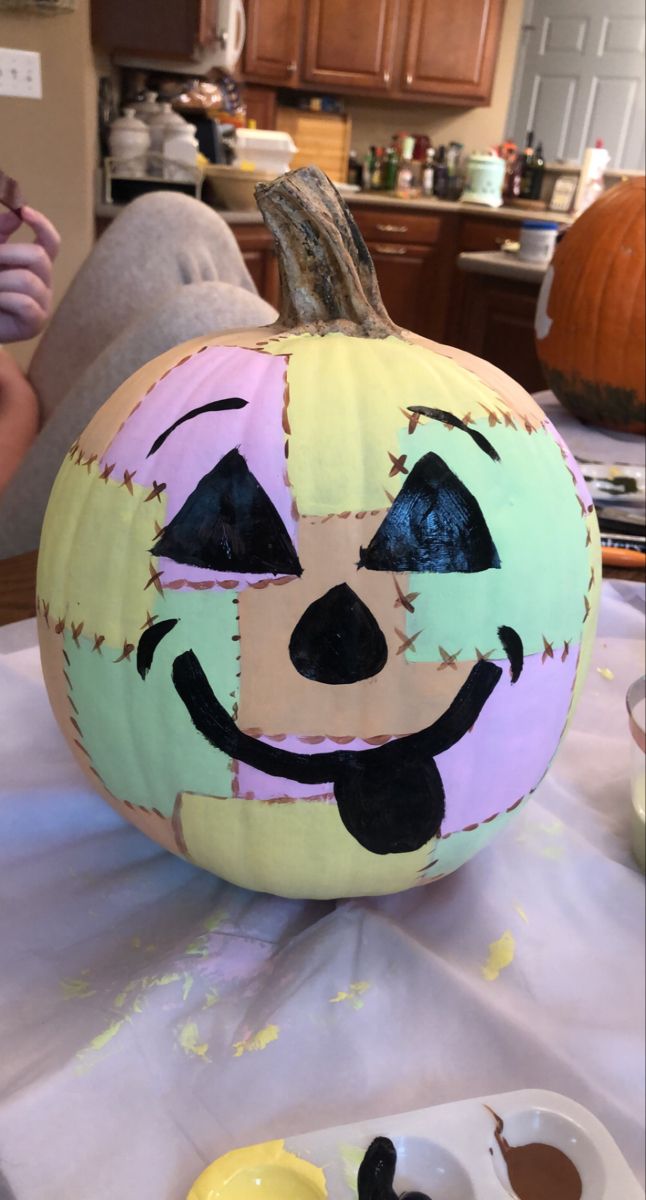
[{"x": 379, "y": 79}]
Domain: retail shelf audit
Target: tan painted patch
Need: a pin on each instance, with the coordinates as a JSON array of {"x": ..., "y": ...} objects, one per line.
[
  {"x": 299, "y": 849},
  {"x": 275, "y": 698}
]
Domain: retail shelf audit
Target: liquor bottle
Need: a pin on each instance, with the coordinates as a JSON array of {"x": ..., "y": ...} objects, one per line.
[
  {"x": 440, "y": 175},
  {"x": 376, "y": 182},
  {"x": 368, "y": 168},
  {"x": 428, "y": 172},
  {"x": 538, "y": 170},
  {"x": 390, "y": 168},
  {"x": 526, "y": 172}
]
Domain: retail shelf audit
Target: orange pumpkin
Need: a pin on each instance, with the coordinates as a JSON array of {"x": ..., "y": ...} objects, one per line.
[{"x": 590, "y": 324}]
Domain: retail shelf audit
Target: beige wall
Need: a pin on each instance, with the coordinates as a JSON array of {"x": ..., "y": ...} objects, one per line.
[
  {"x": 49, "y": 144},
  {"x": 374, "y": 121}
]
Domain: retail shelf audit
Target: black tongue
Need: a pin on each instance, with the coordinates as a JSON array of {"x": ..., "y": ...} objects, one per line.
[{"x": 389, "y": 808}]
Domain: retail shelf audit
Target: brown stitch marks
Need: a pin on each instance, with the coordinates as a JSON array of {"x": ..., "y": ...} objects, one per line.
[
  {"x": 72, "y": 450},
  {"x": 566, "y": 650},
  {"x": 529, "y": 428},
  {"x": 82, "y": 748},
  {"x": 155, "y": 580},
  {"x": 482, "y": 656},
  {"x": 98, "y": 642},
  {"x": 408, "y": 643},
  {"x": 413, "y": 419},
  {"x": 492, "y": 417},
  {"x": 76, "y": 633},
  {"x": 588, "y": 539},
  {"x": 149, "y": 620},
  {"x": 548, "y": 651},
  {"x": 507, "y": 418},
  {"x": 200, "y": 585},
  {"x": 88, "y": 462},
  {"x": 107, "y": 471},
  {"x": 79, "y": 457},
  {"x": 156, "y": 491},
  {"x": 586, "y": 605},
  {"x": 404, "y": 599},
  {"x": 398, "y": 467},
  {"x": 128, "y": 648},
  {"x": 60, "y": 625},
  {"x": 76, "y": 726},
  {"x": 66, "y": 656},
  {"x": 389, "y": 497},
  {"x": 444, "y": 837},
  {"x": 592, "y": 578},
  {"x": 128, "y": 477},
  {"x": 448, "y": 660}
]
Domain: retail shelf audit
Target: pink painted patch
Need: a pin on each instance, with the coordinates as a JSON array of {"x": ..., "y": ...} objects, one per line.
[{"x": 195, "y": 447}]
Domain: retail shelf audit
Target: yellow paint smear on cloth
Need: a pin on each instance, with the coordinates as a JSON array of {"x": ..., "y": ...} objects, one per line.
[
  {"x": 501, "y": 954},
  {"x": 267, "y": 1170}
]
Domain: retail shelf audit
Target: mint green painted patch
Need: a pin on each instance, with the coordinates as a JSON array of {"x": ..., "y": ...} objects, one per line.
[
  {"x": 452, "y": 852},
  {"x": 137, "y": 731},
  {"x": 531, "y": 508}
]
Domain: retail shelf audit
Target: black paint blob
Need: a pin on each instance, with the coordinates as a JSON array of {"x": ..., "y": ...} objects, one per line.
[
  {"x": 148, "y": 643},
  {"x": 513, "y": 646},
  {"x": 365, "y": 781},
  {"x": 213, "y": 406},
  {"x": 377, "y": 1173},
  {"x": 447, "y": 418},
  {"x": 434, "y": 524},
  {"x": 337, "y": 639},
  {"x": 228, "y": 523}
]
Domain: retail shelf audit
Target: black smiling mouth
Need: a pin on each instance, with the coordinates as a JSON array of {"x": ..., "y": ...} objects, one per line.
[{"x": 391, "y": 797}]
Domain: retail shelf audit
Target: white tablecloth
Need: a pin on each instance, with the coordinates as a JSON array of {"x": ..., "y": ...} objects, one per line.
[{"x": 153, "y": 1017}]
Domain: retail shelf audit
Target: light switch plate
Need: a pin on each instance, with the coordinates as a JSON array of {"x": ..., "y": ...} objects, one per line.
[{"x": 20, "y": 73}]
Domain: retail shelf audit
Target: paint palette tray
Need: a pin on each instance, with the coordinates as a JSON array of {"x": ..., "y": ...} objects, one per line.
[{"x": 449, "y": 1152}]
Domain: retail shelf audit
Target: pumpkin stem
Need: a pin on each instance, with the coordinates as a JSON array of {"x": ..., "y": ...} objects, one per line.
[{"x": 328, "y": 280}]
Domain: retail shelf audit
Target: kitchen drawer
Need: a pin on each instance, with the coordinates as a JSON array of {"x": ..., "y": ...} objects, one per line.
[
  {"x": 397, "y": 225},
  {"x": 485, "y": 233}
]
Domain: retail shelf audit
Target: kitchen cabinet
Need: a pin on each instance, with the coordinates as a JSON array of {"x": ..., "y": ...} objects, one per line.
[
  {"x": 273, "y": 44},
  {"x": 443, "y": 50},
  {"x": 450, "y": 49},
  {"x": 342, "y": 51},
  {"x": 497, "y": 323},
  {"x": 412, "y": 256},
  {"x": 153, "y": 28}
]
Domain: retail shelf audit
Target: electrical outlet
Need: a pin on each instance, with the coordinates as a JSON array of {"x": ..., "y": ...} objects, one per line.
[{"x": 20, "y": 74}]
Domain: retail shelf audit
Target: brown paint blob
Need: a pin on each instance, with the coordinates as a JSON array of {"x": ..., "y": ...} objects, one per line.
[{"x": 538, "y": 1171}]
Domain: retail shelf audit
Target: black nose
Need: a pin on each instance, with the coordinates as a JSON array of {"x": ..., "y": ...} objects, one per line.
[{"x": 337, "y": 639}]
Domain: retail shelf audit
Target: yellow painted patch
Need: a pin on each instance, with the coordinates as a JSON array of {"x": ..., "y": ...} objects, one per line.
[
  {"x": 256, "y": 1041},
  {"x": 189, "y": 1040},
  {"x": 346, "y": 397},
  {"x": 521, "y": 913},
  {"x": 81, "y": 571},
  {"x": 606, "y": 672},
  {"x": 501, "y": 954},
  {"x": 267, "y": 1170},
  {"x": 101, "y": 1040},
  {"x": 211, "y": 998},
  {"x": 286, "y": 848}
]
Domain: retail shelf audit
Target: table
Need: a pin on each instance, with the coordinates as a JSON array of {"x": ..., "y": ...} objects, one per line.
[{"x": 155, "y": 1016}]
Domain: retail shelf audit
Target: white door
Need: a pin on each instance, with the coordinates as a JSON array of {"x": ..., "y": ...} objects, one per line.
[{"x": 580, "y": 76}]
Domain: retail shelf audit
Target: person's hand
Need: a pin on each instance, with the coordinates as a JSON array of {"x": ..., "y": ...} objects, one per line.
[{"x": 25, "y": 275}]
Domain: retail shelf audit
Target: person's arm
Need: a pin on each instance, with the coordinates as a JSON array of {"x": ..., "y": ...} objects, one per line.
[
  {"x": 25, "y": 307},
  {"x": 18, "y": 417}
]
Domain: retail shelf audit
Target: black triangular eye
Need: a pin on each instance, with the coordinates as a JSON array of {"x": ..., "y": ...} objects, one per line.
[
  {"x": 435, "y": 524},
  {"x": 228, "y": 523}
]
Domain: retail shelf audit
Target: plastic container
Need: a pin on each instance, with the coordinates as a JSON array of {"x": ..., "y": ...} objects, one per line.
[
  {"x": 148, "y": 107},
  {"x": 537, "y": 240},
  {"x": 264, "y": 150},
  {"x": 450, "y": 1152},
  {"x": 129, "y": 141},
  {"x": 180, "y": 154}
]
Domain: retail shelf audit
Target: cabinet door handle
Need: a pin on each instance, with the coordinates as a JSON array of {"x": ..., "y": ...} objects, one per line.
[
  {"x": 385, "y": 249},
  {"x": 291, "y": 68},
  {"x": 409, "y": 79},
  {"x": 392, "y": 228},
  {"x": 386, "y": 76}
]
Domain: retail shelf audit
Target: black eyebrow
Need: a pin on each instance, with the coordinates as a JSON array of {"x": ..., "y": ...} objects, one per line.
[
  {"x": 447, "y": 418},
  {"x": 214, "y": 406}
]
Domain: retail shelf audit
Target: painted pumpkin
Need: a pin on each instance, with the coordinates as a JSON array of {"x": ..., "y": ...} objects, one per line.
[
  {"x": 590, "y": 320},
  {"x": 315, "y": 600}
]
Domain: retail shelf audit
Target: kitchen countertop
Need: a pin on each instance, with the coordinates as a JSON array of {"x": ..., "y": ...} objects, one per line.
[
  {"x": 432, "y": 204},
  {"x": 498, "y": 262}
]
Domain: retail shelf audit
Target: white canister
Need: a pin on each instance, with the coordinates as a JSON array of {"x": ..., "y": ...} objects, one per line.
[
  {"x": 485, "y": 176},
  {"x": 180, "y": 154},
  {"x": 160, "y": 125},
  {"x": 147, "y": 108},
  {"x": 537, "y": 240},
  {"x": 129, "y": 141}
]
